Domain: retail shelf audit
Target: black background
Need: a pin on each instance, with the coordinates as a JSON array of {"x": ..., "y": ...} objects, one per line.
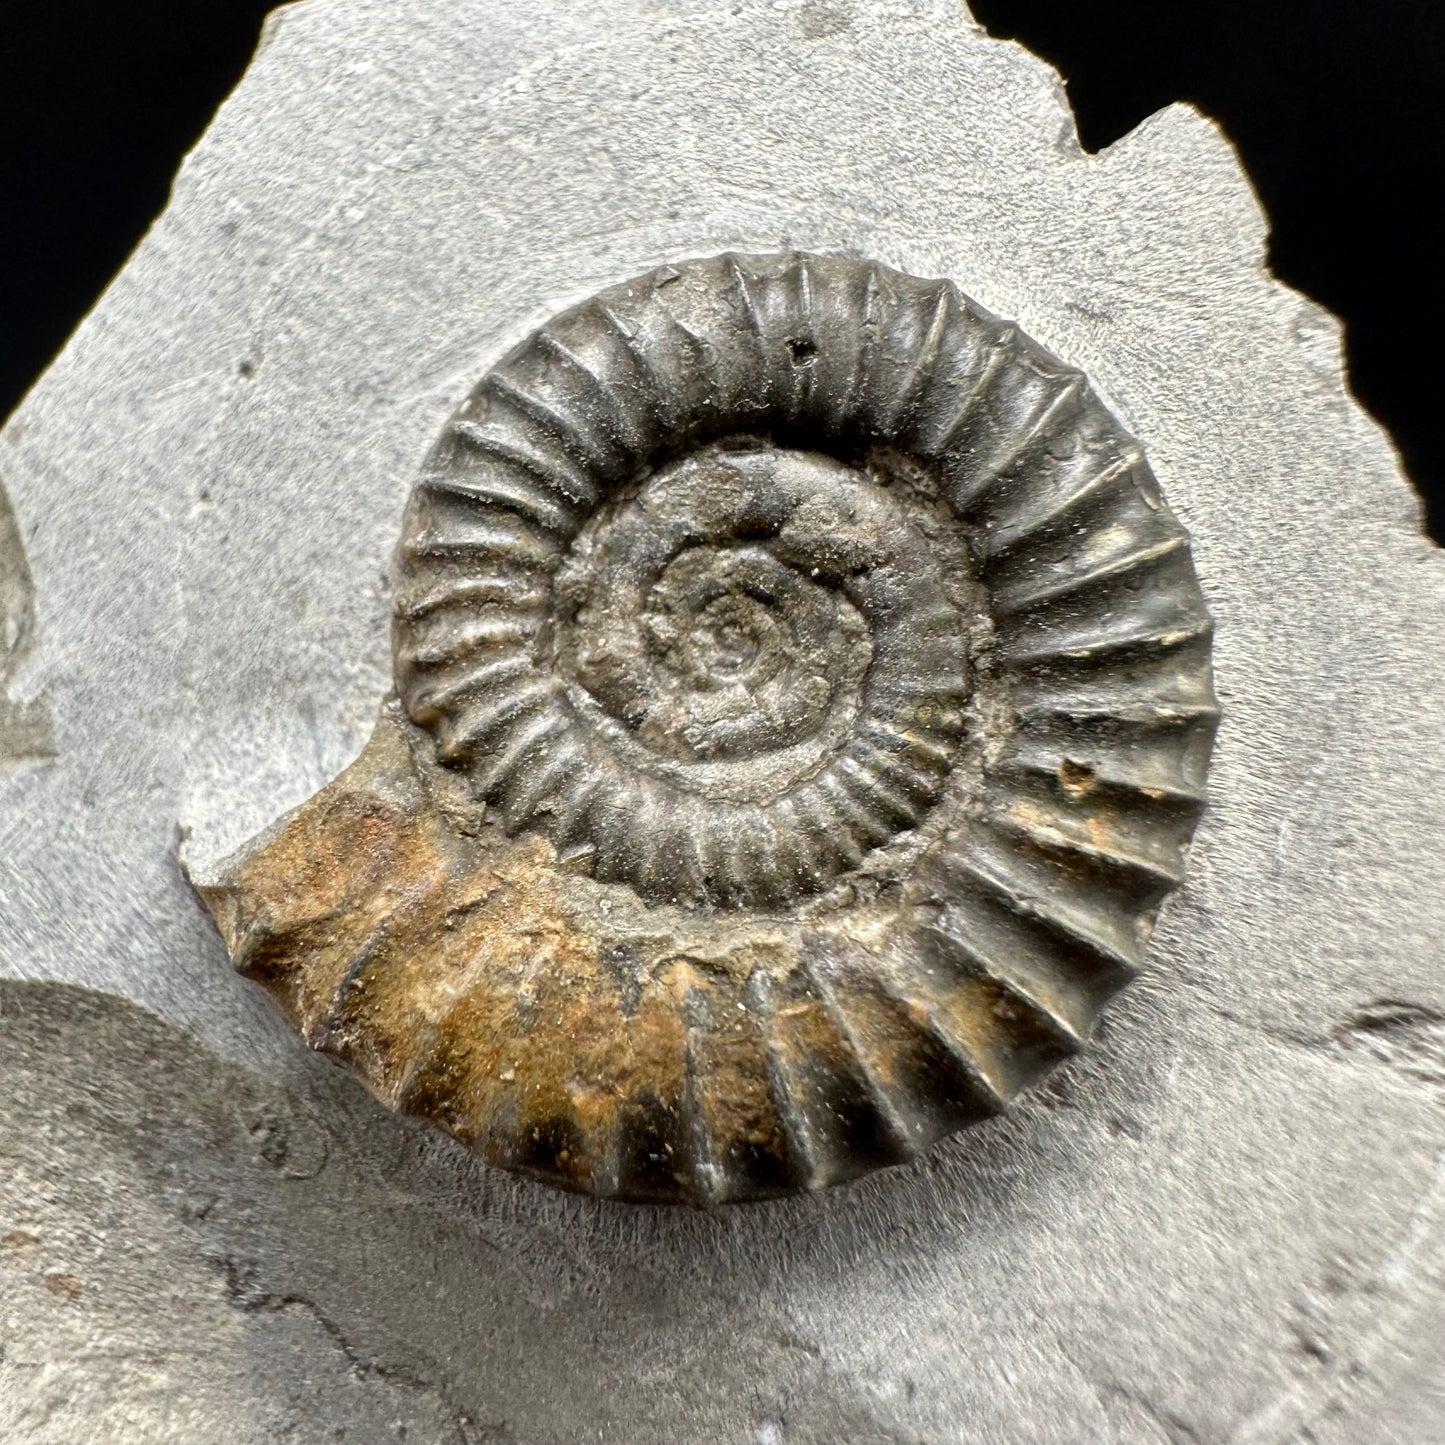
[{"x": 1338, "y": 107}]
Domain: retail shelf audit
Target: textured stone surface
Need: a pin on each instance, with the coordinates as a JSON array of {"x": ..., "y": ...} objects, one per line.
[{"x": 1223, "y": 1224}]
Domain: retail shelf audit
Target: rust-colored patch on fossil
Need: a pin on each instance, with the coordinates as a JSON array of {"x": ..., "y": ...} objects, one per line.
[{"x": 462, "y": 984}]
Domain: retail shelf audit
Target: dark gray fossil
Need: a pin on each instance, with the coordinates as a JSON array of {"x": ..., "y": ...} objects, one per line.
[{"x": 804, "y": 706}]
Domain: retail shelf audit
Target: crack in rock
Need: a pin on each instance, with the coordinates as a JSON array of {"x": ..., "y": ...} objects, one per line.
[
  {"x": 245, "y": 1292},
  {"x": 1406, "y": 1038}
]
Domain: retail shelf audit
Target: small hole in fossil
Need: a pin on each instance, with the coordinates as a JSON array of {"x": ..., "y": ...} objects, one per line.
[
  {"x": 802, "y": 351},
  {"x": 1077, "y": 778}
]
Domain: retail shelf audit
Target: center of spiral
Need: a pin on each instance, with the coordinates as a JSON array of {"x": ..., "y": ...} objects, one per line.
[
  {"x": 708, "y": 623},
  {"x": 729, "y": 638},
  {"x": 713, "y": 622},
  {"x": 726, "y": 641},
  {"x": 742, "y": 656}
]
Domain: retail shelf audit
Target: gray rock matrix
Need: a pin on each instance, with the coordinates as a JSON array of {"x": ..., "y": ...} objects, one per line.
[{"x": 1223, "y": 1223}]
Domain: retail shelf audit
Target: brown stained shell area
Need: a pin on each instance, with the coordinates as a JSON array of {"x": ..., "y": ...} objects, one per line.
[{"x": 803, "y": 707}]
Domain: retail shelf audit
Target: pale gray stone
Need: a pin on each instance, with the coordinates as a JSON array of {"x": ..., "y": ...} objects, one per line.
[
  {"x": 24, "y": 723},
  {"x": 1223, "y": 1224}
]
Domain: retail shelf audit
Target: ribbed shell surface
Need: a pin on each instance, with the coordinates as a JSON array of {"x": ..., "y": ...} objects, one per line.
[{"x": 802, "y": 606}]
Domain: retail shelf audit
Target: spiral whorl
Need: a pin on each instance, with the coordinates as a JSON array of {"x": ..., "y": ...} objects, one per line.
[{"x": 696, "y": 457}]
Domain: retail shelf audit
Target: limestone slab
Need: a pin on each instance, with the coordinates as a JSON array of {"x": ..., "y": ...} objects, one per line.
[{"x": 1222, "y": 1224}]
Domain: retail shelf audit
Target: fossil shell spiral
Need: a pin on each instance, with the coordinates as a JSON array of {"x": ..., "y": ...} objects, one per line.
[{"x": 804, "y": 702}]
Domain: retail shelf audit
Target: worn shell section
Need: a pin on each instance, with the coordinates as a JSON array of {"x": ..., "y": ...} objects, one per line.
[
  {"x": 483, "y": 990},
  {"x": 804, "y": 708}
]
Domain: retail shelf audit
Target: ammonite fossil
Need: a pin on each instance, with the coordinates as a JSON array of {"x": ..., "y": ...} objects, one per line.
[{"x": 803, "y": 705}]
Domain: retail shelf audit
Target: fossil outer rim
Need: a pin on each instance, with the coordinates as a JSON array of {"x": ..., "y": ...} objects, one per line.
[{"x": 900, "y": 938}]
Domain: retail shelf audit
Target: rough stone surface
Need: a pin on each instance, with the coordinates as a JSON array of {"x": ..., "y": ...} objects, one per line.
[{"x": 1223, "y": 1224}]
